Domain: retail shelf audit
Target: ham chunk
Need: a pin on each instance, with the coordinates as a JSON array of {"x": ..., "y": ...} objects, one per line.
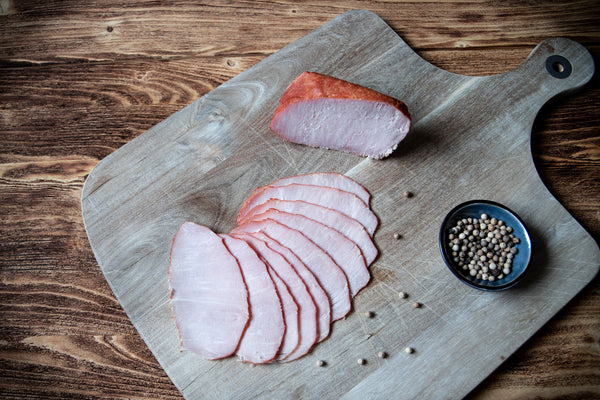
[
  {"x": 263, "y": 337},
  {"x": 209, "y": 299},
  {"x": 322, "y": 111}
]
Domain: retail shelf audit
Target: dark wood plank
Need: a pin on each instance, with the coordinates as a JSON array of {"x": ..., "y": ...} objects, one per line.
[{"x": 133, "y": 30}]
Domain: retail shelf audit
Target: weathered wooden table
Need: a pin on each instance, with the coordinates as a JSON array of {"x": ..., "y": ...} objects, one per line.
[{"x": 79, "y": 80}]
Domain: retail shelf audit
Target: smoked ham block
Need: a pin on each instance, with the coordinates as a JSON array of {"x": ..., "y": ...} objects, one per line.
[
  {"x": 322, "y": 111},
  {"x": 270, "y": 289}
]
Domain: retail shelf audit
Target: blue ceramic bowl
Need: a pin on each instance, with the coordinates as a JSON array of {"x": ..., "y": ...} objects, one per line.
[{"x": 474, "y": 209}]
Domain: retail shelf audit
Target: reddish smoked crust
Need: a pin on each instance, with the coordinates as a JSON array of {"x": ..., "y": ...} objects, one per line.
[{"x": 312, "y": 85}]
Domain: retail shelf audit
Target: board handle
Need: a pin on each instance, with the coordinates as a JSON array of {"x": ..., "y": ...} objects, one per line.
[{"x": 558, "y": 65}]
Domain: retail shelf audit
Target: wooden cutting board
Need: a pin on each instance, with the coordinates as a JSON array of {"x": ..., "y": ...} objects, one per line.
[{"x": 470, "y": 140}]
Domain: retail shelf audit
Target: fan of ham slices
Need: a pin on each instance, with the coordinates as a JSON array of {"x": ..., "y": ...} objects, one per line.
[{"x": 270, "y": 289}]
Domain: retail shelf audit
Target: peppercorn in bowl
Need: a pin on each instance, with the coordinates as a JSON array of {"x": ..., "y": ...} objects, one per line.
[{"x": 485, "y": 245}]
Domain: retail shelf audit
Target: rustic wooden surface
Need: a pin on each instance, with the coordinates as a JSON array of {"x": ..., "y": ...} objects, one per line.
[{"x": 78, "y": 81}]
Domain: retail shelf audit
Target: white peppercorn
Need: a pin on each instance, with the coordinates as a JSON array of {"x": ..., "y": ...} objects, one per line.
[{"x": 483, "y": 247}]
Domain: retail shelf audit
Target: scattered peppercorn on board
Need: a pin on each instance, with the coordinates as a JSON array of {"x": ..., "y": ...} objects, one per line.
[{"x": 469, "y": 140}]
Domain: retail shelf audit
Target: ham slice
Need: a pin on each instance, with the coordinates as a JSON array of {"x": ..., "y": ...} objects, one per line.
[
  {"x": 344, "y": 252},
  {"x": 347, "y": 226},
  {"x": 329, "y": 179},
  {"x": 316, "y": 291},
  {"x": 209, "y": 299},
  {"x": 329, "y": 275},
  {"x": 291, "y": 337},
  {"x": 340, "y": 200},
  {"x": 263, "y": 337},
  {"x": 322, "y": 111},
  {"x": 306, "y": 324}
]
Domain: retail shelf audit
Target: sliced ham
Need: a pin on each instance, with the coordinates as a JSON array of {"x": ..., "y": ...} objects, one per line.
[
  {"x": 344, "y": 252},
  {"x": 291, "y": 318},
  {"x": 322, "y": 111},
  {"x": 340, "y": 200},
  {"x": 329, "y": 275},
  {"x": 209, "y": 300},
  {"x": 263, "y": 336},
  {"x": 306, "y": 324},
  {"x": 347, "y": 226},
  {"x": 316, "y": 291},
  {"x": 329, "y": 179},
  {"x": 271, "y": 288}
]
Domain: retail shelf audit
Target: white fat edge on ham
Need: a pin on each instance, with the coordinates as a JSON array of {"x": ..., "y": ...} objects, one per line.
[
  {"x": 263, "y": 336},
  {"x": 209, "y": 299}
]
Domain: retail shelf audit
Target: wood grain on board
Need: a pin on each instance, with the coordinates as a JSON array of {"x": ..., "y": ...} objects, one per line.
[{"x": 72, "y": 91}]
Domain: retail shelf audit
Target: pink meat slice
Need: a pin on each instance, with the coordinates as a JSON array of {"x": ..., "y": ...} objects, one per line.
[
  {"x": 316, "y": 291},
  {"x": 263, "y": 336},
  {"x": 340, "y": 200},
  {"x": 209, "y": 300},
  {"x": 347, "y": 226},
  {"x": 328, "y": 179},
  {"x": 291, "y": 337},
  {"x": 306, "y": 328},
  {"x": 329, "y": 275},
  {"x": 344, "y": 252}
]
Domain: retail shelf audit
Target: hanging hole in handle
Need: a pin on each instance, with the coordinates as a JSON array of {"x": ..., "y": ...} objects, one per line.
[{"x": 558, "y": 66}]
